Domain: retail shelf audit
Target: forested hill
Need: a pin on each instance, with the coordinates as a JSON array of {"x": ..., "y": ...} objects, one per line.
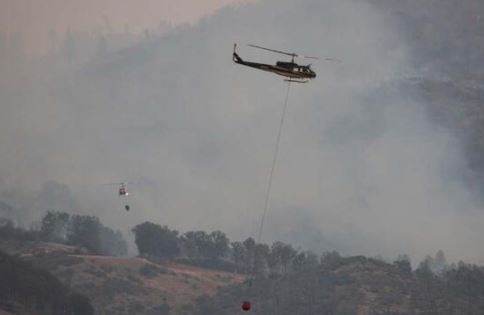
[
  {"x": 356, "y": 286},
  {"x": 197, "y": 272},
  {"x": 79, "y": 254}
]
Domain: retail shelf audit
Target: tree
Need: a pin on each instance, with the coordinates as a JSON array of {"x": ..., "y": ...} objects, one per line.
[
  {"x": 281, "y": 257},
  {"x": 249, "y": 245},
  {"x": 261, "y": 253},
  {"x": 423, "y": 270},
  {"x": 330, "y": 259},
  {"x": 195, "y": 244},
  {"x": 305, "y": 261},
  {"x": 250, "y": 257},
  {"x": 7, "y": 229},
  {"x": 219, "y": 245},
  {"x": 85, "y": 231},
  {"x": 239, "y": 256},
  {"x": 54, "y": 226},
  {"x": 200, "y": 245},
  {"x": 156, "y": 241},
  {"x": 112, "y": 242},
  {"x": 439, "y": 264},
  {"x": 403, "y": 264}
]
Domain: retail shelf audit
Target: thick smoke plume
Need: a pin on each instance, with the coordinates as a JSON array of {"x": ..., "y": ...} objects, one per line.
[{"x": 362, "y": 169}]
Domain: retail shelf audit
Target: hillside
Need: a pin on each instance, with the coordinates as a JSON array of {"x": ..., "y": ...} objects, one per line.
[
  {"x": 25, "y": 289},
  {"x": 331, "y": 285},
  {"x": 356, "y": 286},
  {"x": 124, "y": 285}
]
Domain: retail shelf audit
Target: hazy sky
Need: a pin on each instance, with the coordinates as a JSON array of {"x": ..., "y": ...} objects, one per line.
[
  {"x": 362, "y": 168},
  {"x": 34, "y": 18}
]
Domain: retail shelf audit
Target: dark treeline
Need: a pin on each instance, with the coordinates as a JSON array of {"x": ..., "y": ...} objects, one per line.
[
  {"x": 76, "y": 230},
  {"x": 284, "y": 280},
  {"x": 215, "y": 250},
  {"x": 346, "y": 285},
  {"x": 25, "y": 289}
]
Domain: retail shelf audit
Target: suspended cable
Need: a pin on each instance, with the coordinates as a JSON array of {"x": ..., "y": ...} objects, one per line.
[
  {"x": 252, "y": 273},
  {"x": 273, "y": 166}
]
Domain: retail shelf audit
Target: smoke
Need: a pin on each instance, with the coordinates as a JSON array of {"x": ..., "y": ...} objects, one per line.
[{"x": 362, "y": 168}]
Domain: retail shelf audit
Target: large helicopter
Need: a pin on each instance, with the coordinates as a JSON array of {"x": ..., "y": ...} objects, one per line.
[{"x": 291, "y": 70}]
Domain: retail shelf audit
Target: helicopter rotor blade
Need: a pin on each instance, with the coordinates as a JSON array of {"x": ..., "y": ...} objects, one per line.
[
  {"x": 307, "y": 57},
  {"x": 333, "y": 59},
  {"x": 283, "y": 52},
  {"x": 326, "y": 58},
  {"x": 119, "y": 183},
  {"x": 274, "y": 50}
]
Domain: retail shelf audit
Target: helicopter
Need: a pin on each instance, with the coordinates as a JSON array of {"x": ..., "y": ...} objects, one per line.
[
  {"x": 291, "y": 70},
  {"x": 123, "y": 189},
  {"x": 122, "y": 192}
]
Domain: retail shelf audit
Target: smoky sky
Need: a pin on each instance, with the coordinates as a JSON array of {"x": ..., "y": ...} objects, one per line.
[
  {"x": 362, "y": 168},
  {"x": 35, "y": 20}
]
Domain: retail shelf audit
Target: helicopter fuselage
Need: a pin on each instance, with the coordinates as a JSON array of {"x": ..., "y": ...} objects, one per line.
[
  {"x": 286, "y": 69},
  {"x": 123, "y": 191}
]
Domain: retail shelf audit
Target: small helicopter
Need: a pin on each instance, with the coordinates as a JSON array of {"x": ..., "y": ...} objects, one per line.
[
  {"x": 122, "y": 192},
  {"x": 123, "y": 189},
  {"x": 291, "y": 70}
]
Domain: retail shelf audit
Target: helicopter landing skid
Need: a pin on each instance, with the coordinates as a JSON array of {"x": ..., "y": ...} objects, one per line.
[{"x": 296, "y": 81}]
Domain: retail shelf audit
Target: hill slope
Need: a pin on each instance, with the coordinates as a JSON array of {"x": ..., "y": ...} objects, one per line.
[
  {"x": 124, "y": 285},
  {"x": 330, "y": 285},
  {"x": 357, "y": 286},
  {"x": 25, "y": 289}
]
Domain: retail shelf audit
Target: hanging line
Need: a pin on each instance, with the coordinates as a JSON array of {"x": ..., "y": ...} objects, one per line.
[
  {"x": 252, "y": 273},
  {"x": 274, "y": 161}
]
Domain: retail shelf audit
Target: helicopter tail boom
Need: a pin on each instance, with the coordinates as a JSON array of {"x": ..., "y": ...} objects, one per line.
[{"x": 235, "y": 57}]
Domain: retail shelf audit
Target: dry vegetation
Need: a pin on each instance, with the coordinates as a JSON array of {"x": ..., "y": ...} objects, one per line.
[{"x": 128, "y": 285}]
